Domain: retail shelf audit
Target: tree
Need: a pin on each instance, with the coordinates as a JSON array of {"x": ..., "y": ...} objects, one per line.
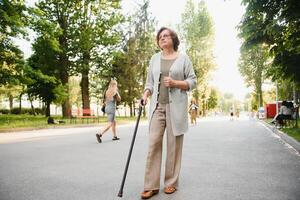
[
  {"x": 197, "y": 30},
  {"x": 42, "y": 73},
  {"x": 139, "y": 48},
  {"x": 10, "y": 91},
  {"x": 51, "y": 20},
  {"x": 227, "y": 101},
  {"x": 45, "y": 87},
  {"x": 275, "y": 23},
  {"x": 129, "y": 65},
  {"x": 213, "y": 99},
  {"x": 95, "y": 32},
  {"x": 12, "y": 24},
  {"x": 253, "y": 66}
]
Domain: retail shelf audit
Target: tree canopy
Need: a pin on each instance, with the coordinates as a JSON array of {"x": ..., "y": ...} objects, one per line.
[{"x": 275, "y": 23}]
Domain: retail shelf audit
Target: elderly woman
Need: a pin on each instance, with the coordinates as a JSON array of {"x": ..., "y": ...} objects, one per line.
[{"x": 170, "y": 76}]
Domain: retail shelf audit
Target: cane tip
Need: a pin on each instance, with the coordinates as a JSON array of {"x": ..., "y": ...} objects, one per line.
[{"x": 120, "y": 195}]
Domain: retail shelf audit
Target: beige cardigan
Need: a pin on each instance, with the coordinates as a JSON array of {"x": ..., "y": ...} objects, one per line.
[{"x": 181, "y": 69}]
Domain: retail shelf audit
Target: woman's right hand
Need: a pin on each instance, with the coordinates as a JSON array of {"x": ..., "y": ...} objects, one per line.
[{"x": 143, "y": 100}]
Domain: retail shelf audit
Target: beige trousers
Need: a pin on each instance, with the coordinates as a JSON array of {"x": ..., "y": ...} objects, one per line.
[{"x": 159, "y": 123}]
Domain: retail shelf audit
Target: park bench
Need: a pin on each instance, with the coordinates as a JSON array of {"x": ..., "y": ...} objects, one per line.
[{"x": 83, "y": 114}]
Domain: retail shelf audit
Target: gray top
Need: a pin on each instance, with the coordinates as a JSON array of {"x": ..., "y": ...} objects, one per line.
[
  {"x": 165, "y": 66},
  {"x": 110, "y": 106},
  {"x": 182, "y": 70}
]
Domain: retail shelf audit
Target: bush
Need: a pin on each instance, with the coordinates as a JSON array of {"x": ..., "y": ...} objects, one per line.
[
  {"x": 38, "y": 111},
  {"x": 4, "y": 111},
  {"x": 16, "y": 111}
]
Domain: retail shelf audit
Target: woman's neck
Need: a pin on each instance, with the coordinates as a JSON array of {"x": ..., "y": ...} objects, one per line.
[{"x": 169, "y": 53}]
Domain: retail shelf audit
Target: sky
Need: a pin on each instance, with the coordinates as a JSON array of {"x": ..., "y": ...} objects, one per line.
[{"x": 226, "y": 16}]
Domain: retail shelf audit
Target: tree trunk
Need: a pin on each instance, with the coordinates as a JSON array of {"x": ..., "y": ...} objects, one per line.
[
  {"x": 259, "y": 93},
  {"x": 20, "y": 103},
  {"x": 295, "y": 94},
  {"x": 130, "y": 108},
  {"x": 32, "y": 108},
  {"x": 64, "y": 62},
  {"x": 11, "y": 102},
  {"x": 84, "y": 84},
  {"x": 133, "y": 105},
  {"x": 203, "y": 108},
  {"x": 48, "y": 109},
  {"x": 66, "y": 106}
]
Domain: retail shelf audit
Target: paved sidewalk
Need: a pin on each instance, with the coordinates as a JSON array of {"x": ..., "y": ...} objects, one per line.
[{"x": 222, "y": 160}]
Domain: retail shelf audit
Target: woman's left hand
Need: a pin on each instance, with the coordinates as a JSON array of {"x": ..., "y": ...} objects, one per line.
[{"x": 168, "y": 81}]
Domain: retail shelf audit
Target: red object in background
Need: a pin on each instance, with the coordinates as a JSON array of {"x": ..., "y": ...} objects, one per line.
[{"x": 271, "y": 109}]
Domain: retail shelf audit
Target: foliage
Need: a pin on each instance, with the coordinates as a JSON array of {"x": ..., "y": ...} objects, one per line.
[
  {"x": 213, "y": 99},
  {"x": 43, "y": 86},
  {"x": 12, "y": 17},
  {"x": 12, "y": 23},
  {"x": 74, "y": 91},
  {"x": 94, "y": 36},
  {"x": 275, "y": 23},
  {"x": 227, "y": 101},
  {"x": 129, "y": 64},
  {"x": 197, "y": 30},
  {"x": 139, "y": 48},
  {"x": 51, "y": 20},
  {"x": 18, "y": 111},
  {"x": 293, "y": 132},
  {"x": 253, "y": 66}
]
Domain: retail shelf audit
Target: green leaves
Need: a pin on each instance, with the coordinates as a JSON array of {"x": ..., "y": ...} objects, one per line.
[
  {"x": 276, "y": 23},
  {"x": 197, "y": 30}
]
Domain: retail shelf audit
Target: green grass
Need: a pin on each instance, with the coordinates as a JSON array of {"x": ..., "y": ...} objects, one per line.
[
  {"x": 293, "y": 132},
  {"x": 17, "y": 122}
]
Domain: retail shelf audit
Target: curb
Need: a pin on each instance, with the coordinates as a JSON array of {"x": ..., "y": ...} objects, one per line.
[{"x": 285, "y": 137}]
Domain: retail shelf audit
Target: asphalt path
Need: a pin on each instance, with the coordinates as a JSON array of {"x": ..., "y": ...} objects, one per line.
[{"x": 222, "y": 160}]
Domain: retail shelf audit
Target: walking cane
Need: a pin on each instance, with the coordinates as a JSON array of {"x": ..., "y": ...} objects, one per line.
[{"x": 120, "y": 194}]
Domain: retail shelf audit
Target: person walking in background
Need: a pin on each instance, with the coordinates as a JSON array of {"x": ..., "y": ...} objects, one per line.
[
  {"x": 170, "y": 75},
  {"x": 193, "y": 110},
  {"x": 237, "y": 113},
  {"x": 231, "y": 114},
  {"x": 111, "y": 97}
]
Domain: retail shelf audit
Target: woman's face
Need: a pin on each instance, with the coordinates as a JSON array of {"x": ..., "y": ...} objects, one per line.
[{"x": 165, "y": 40}]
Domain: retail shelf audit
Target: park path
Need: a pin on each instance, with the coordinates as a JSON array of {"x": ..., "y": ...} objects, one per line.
[{"x": 222, "y": 160}]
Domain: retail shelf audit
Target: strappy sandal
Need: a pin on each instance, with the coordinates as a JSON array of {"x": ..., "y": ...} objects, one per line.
[
  {"x": 98, "y": 136},
  {"x": 169, "y": 190},
  {"x": 115, "y": 138},
  {"x": 148, "y": 194}
]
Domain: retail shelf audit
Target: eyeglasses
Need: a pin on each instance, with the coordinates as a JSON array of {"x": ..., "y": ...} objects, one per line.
[{"x": 164, "y": 36}]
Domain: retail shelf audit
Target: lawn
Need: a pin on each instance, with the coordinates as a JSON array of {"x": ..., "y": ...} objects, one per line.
[
  {"x": 293, "y": 132},
  {"x": 17, "y": 122}
]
